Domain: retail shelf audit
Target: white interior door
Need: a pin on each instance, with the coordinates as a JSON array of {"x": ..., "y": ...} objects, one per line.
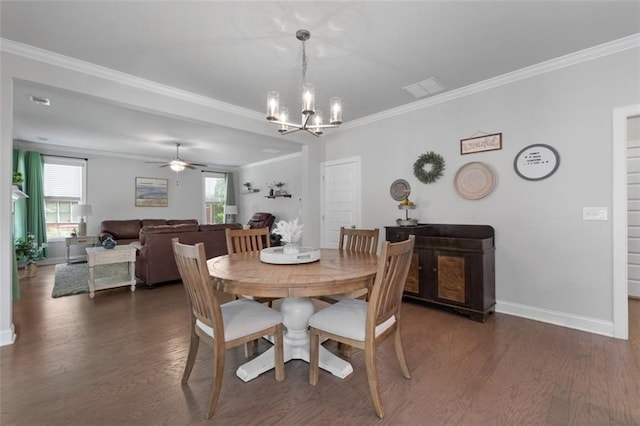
[
  {"x": 633, "y": 206},
  {"x": 340, "y": 198}
]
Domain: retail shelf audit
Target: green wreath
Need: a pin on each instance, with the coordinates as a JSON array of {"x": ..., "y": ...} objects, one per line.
[{"x": 437, "y": 167}]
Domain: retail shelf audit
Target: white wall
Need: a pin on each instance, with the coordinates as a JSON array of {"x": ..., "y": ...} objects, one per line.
[
  {"x": 550, "y": 264},
  {"x": 286, "y": 169},
  {"x": 111, "y": 192}
]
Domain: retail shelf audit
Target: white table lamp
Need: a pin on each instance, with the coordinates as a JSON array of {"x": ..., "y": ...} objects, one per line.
[
  {"x": 230, "y": 212},
  {"x": 81, "y": 210}
]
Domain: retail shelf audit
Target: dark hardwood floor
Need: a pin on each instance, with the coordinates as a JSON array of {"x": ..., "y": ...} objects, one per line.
[{"x": 118, "y": 359}]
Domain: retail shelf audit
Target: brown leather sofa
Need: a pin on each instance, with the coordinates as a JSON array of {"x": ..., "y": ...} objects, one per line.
[
  {"x": 128, "y": 231},
  {"x": 155, "y": 262}
]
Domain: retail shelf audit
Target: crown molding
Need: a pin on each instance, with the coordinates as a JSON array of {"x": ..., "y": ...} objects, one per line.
[
  {"x": 51, "y": 58},
  {"x": 271, "y": 160},
  {"x": 595, "y": 52},
  {"x": 574, "y": 58}
]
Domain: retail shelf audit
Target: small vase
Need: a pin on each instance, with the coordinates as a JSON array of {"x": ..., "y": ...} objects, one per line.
[
  {"x": 108, "y": 243},
  {"x": 290, "y": 248},
  {"x": 32, "y": 269}
]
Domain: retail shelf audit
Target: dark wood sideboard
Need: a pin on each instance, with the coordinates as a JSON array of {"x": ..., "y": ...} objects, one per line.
[{"x": 452, "y": 266}]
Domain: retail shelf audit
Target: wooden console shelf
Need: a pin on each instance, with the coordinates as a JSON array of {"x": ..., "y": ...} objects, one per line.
[{"x": 453, "y": 266}]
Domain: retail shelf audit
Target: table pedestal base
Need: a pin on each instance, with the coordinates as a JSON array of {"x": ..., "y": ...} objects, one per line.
[{"x": 296, "y": 312}]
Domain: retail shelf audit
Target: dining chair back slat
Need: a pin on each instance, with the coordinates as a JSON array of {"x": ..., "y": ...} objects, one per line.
[
  {"x": 247, "y": 240},
  {"x": 360, "y": 240}
]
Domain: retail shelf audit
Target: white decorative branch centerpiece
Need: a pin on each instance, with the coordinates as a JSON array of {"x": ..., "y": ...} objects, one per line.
[{"x": 290, "y": 232}]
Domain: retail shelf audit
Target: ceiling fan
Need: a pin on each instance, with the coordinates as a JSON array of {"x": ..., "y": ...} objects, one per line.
[{"x": 177, "y": 164}]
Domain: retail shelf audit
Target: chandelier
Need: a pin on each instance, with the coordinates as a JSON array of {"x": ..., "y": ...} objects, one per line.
[{"x": 311, "y": 118}]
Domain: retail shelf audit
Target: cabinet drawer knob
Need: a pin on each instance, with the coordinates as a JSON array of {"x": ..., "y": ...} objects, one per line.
[{"x": 435, "y": 269}]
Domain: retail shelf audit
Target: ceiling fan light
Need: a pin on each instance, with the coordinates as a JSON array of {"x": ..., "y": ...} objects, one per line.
[{"x": 177, "y": 166}]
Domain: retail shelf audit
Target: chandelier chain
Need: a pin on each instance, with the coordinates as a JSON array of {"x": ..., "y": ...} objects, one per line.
[{"x": 304, "y": 63}]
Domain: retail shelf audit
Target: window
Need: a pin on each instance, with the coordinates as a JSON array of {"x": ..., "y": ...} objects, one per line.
[
  {"x": 64, "y": 186},
  {"x": 215, "y": 194}
]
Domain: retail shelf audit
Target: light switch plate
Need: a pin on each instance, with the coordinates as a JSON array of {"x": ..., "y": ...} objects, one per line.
[{"x": 595, "y": 213}]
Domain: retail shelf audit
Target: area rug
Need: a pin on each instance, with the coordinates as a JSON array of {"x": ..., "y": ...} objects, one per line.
[{"x": 73, "y": 278}]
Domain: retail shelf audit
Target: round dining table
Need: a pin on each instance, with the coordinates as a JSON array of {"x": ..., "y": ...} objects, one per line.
[{"x": 336, "y": 272}]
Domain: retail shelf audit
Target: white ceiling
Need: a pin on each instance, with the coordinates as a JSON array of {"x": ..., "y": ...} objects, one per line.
[{"x": 234, "y": 52}]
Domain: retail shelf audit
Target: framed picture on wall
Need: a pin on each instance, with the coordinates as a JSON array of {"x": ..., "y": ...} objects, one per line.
[
  {"x": 152, "y": 192},
  {"x": 536, "y": 162},
  {"x": 481, "y": 143}
]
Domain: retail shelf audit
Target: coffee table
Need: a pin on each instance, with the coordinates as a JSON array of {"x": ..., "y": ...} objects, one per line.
[{"x": 101, "y": 256}]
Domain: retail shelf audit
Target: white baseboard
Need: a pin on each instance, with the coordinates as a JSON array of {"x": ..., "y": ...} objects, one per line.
[
  {"x": 563, "y": 319},
  {"x": 7, "y": 336},
  {"x": 634, "y": 290}
]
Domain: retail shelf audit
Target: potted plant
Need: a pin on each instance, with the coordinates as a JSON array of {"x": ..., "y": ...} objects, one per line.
[
  {"x": 27, "y": 252},
  {"x": 18, "y": 179},
  {"x": 279, "y": 185}
]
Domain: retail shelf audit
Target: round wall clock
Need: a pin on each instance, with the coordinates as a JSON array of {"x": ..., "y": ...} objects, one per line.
[{"x": 536, "y": 162}]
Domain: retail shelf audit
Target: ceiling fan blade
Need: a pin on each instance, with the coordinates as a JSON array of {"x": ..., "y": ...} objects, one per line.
[
  {"x": 199, "y": 164},
  {"x": 189, "y": 166},
  {"x": 155, "y": 162},
  {"x": 165, "y": 165}
]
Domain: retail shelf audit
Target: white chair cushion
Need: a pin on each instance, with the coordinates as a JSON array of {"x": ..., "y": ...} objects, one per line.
[
  {"x": 347, "y": 318},
  {"x": 243, "y": 317}
]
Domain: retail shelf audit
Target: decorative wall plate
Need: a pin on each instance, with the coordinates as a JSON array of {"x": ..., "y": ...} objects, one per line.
[
  {"x": 400, "y": 189},
  {"x": 474, "y": 181},
  {"x": 536, "y": 162}
]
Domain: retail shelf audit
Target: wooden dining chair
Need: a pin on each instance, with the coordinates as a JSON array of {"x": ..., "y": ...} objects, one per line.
[
  {"x": 366, "y": 324},
  {"x": 243, "y": 241},
  {"x": 249, "y": 240},
  {"x": 221, "y": 326},
  {"x": 354, "y": 240}
]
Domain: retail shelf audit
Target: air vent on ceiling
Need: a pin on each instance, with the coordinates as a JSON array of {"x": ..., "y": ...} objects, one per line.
[
  {"x": 40, "y": 100},
  {"x": 427, "y": 87}
]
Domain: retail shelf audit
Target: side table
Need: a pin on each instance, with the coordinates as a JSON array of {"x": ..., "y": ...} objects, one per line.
[
  {"x": 80, "y": 241},
  {"x": 102, "y": 256}
]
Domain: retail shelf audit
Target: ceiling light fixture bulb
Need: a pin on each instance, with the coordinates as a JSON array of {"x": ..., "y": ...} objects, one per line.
[{"x": 176, "y": 166}]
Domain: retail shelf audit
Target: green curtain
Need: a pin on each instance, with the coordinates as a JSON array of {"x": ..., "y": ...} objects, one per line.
[
  {"x": 20, "y": 210},
  {"x": 34, "y": 187},
  {"x": 19, "y": 222},
  {"x": 231, "y": 195},
  {"x": 230, "y": 200}
]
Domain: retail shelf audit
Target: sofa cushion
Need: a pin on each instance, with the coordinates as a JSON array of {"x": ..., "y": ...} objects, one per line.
[
  {"x": 121, "y": 229},
  {"x": 219, "y": 226},
  {"x": 182, "y": 221},
  {"x": 153, "y": 222},
  {"x": 166, "y": 229}
]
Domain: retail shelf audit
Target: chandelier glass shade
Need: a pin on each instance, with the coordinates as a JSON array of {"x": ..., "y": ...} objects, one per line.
[{"x": 312, "y": 119}]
